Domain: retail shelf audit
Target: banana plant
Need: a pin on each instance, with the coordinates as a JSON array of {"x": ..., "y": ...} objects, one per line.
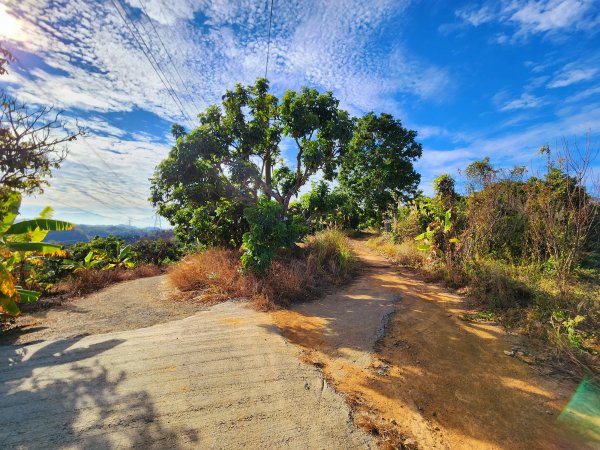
[
  {"x": 91, "y": 261},
  {"x": 16, "y": 241},
  {"x": 426, "y": 238},
  {"x": 123, "y": 259}
]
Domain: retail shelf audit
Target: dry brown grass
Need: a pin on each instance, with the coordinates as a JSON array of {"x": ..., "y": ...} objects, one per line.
[
  {"x": 216, "y": 275},
  {"x": 404, "y": 253},
  {"x": 86, "y": 281}
]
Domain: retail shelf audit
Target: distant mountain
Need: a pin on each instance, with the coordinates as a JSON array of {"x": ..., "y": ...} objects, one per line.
[{"x": 85, "y": 233}]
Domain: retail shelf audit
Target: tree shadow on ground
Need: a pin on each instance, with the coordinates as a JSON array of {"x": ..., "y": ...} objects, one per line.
[{"x": 52, "y": 396}]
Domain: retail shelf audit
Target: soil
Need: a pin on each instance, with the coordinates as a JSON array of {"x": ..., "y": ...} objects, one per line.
[
  {"x": 123, "y": 306},
  {"x": 431, "y": 380}
]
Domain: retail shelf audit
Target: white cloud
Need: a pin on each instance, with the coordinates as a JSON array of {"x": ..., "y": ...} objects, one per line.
[
  {"x": 88, "y": 61},
  {"x": 568, "y": 77},
  {"x": 529, "y": 17},
  {"x": 584, "y": 94},
  {"x": 476, "y": 16},
  {"x": 328, "y": 44},
  {"x": 104, "y": 179},
  {"x": 525, "y": 101}
]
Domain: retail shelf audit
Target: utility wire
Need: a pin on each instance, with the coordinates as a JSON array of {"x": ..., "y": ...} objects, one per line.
[
  {"x": 269, "y": 38},
  {"x": 170, "y": 77},
  {"x": 169, "y": 55},
  {"x": 40, "y": 87},
  {"x": 148, "y": 53},
  {"x": 118, "y": 212}
]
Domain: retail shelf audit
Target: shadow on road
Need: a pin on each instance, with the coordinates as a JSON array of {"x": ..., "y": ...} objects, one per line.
[{"x": 53, "y": 396}]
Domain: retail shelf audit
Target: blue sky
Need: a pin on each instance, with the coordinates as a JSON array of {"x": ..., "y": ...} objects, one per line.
[{"x": 492, "y": 78}]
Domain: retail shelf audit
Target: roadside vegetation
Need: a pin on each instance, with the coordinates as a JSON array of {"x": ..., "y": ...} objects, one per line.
[
  {"x": 217, "y": 274},
  {"x": 229, "y": 192},
  {"x": 33, "y": 142},
  {"x": 526, "y": 248}
]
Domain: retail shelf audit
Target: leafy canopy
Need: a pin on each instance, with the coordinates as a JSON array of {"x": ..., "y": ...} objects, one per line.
[
  {"x": 234, "y": 156},
  {"x": 378, "y": 168}
]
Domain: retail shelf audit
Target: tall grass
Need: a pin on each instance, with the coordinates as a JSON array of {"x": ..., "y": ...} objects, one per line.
[
  {"x": 521, "y": 297},
  {"x": 216, "y": 274},
  {"x": 404, "y": 253}
]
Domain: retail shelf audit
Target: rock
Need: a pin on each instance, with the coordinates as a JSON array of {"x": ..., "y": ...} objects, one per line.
[
  {"x": 383, "y": 370},
  {"x": 507, "y": 353},
  {"x": 527, "y": 359}
]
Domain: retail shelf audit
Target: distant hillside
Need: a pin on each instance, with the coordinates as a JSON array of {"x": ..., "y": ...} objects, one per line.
[{"x": 85, "y": 233}]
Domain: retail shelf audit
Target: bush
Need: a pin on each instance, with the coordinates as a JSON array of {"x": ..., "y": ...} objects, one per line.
[
  {"x": 332, "y": 252},
  {"x": 217, "y": 274},
  {"x": 157, "y": 251},
  {"x": 404, "y": 253},
  {"x": 268, "y": 232},
  {"x": 498, "y": 285}
]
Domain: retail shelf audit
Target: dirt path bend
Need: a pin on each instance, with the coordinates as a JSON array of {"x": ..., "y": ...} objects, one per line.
[
  {"x": 123, "y": 306},
  {"x": 222, "y": 378},
  {"x": 433, "y": 380}
]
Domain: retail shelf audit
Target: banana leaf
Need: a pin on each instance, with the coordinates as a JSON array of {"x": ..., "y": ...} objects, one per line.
[
  {"x": 28, "y": 226},
  {"x": 9, "y": 209},
  {"x": 36, "y": 247},
  {"x": 26, "y": 296}
]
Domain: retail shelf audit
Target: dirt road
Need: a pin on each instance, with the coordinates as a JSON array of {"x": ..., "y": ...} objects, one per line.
[
  {"x": 434, "y": 380},
  {"x": 125, "y": 306},
  {"x": 156, "y": 374}
]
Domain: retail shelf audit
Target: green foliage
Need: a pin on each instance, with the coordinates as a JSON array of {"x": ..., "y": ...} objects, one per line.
[
  {"x": 102, "y": 250},
  {"x": 157, "y": 251},
  {"x": 324, "y": 208},
  {"x": 332, "y": 253},
  {"x": 267, "y": 234},
  {"x": 566, "y": 326},
  {"x": 19, "y": 242},
  {"x": 377, "y": 170},
  {"x": 214, "y": 172}
]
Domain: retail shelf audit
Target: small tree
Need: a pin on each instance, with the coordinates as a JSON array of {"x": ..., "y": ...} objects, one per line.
[
  {"x": 561, "y": 210},
  {"x": 31, "y": 141},
  {"x": 31, "y": 144},
  {"x": 233, "y": 157}
]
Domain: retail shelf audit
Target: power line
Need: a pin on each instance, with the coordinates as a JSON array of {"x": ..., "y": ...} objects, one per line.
[
  {"x": 148, "y": 53},
  {"x": 168, "y": 53},
  {"x": 109, "y": 188},
  {"x": 269, "y": 38}
]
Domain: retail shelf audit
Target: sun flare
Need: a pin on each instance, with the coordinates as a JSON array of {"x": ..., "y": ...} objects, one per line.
[{"x": 10, "y": 28}]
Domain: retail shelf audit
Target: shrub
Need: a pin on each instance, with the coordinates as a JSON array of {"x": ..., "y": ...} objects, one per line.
[
  {"x": 157, "y": 251},
  {"x": 498, "y": 285},
  {"x": 217, "y": 274},
  {"x": 267, "y": 233},
  {"x": 332, "y": 252},
  {"x": 404, "y": 253}
]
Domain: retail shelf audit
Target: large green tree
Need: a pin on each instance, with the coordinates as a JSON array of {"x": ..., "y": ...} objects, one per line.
[
  {"x": 234, "y": 156},
  {"x": 378, "y": 167}
]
